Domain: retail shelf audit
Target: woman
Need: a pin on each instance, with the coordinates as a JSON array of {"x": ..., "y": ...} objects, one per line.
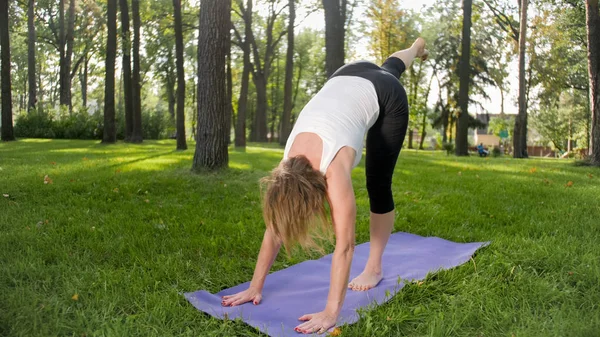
[{"x": 324, "y": 146}]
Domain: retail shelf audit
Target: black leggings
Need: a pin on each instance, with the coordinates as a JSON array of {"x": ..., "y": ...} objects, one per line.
[{"x": 385, "y": 138}]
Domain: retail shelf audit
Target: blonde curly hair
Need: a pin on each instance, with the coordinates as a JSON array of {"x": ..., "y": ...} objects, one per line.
[{"x": 294, "y": 204}]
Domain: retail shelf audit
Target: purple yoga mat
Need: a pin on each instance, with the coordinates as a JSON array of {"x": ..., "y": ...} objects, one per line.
[{"x": 303, "y": 288}]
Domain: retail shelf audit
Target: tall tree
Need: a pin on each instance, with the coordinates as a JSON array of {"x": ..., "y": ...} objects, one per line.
[
  {"x": 462, "y": 129},
  {"x": 261, "y": 69},
  {"x": 31, "y": 40},
  {"x": 240, "y": 129},
  {"x": 136, "y": 135},
  {"x": 181, "y": 142},
  {"x": 65, "y": 39},
  {"x": 7, "y": 120},
  {"x": 335, "y": 21},
  {"x": 520, "y": 133},
  {"x": 110, "y": 131},
  {"x": 126, "y": 59},
  {"x": 593, "y": 37},
  {"x": 286, "y": 124},
  {"x": 213, "y": 45}
]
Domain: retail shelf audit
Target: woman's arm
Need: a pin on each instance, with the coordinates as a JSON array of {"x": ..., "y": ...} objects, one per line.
[
  {"x": 343, "y": 211},
  {"x": 268, "y": 252}
]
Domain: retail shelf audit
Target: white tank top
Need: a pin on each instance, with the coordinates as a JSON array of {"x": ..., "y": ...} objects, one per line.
[{"x": 340, "y": 114}]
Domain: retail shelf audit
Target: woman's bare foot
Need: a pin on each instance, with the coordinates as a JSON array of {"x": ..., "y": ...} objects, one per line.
[
  {"x": 422, "y": 53},
  {"x": 365, "y": 281}
]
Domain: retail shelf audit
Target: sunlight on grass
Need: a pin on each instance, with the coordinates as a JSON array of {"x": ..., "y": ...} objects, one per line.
[{"x": 129, "y": 228}]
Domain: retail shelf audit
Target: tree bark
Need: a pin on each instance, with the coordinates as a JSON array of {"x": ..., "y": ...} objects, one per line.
[
  {"x": 126, "y": 61},
  {"x": 335, "y": 18},
  {"x": 240, "y": 130},
  {"x": 181, "y": 140},
  {"x": 31, "y": 56},
  {"x": 84, "y": 80},
  {"x": 260, "y": 121},
  {"x": 462, "y": 129},
  {"x": 65, "y": 51},
  {"x": 593, "y": 35},
  {"x": 286, "y": 126},
  {"x": 110, "y": 131},
  {"x": 136, "y": 134},
  {"x": 213, "y": 45},
  {"x": 520, "y": 132},
  {"x": 7, "y": 133},
  {"x": 229, "y": 108}
]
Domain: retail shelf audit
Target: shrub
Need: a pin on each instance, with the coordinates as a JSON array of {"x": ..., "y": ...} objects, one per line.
[
  {"x": 449, "y": 147},
  {"x": 496, "y": 151}
]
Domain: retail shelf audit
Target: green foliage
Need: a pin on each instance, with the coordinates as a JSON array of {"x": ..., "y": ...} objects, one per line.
[
  {"x": 448, "y": 147},
  {"x": 82, "y": 125},
  {"x": 496, "y": 152},
  {"x": 129, "y": 229}
]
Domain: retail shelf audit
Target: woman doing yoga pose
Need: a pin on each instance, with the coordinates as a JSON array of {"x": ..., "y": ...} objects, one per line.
[{"x": 324, "y": 146}]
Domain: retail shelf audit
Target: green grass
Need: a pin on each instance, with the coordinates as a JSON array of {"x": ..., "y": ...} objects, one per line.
[{"x": 129, "y": 229}]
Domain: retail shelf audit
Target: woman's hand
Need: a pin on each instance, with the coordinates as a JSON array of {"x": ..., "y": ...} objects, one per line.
[
  {"x": 247, "y": 295},
  {"x": 317, "y": 323}
]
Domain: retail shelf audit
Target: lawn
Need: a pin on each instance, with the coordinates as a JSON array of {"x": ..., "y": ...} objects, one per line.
[{"x": 109, "y": 244}]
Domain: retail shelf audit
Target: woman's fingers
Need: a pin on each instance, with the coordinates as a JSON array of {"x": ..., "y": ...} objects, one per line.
[
  {"x": 256, "y": 300},
  {"x": 306, "y": 317}
]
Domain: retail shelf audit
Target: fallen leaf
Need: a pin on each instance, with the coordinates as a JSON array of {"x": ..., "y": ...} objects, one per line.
[
  {"x": 53, "y": 163},
  {"x": 93, "y": 228},
  {"x": 570, "y": 273},
  {"x": 388, "y": 318},
  {"x": 477, "y": 176},
  {"x": 118, "y": 171},
  {"x": 546, "y": 181},
  {"x": 590, "y": 175},
  {"x": 336, "y": 332},
  {"x": 75, "y": 297},
  {"x": 569, "y": 184},
  {"x": 533, "y": 170},
  {"x": 28, "y": 228},
  {"x": 116, "y": 190},
  {"x": 85, "y": 158},
  {"x": 459, "y": 173},
  {"x": 47, "y": 180},
  {"x": 420, "y": 283},
  {"x": 147, "y": 201},
  {"x": 5, "y": 195}
]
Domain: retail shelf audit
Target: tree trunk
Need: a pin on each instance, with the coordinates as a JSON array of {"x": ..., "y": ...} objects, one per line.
[
  {"x": 260, "y": 121},
  {"x": 334, "y": 34},
  {"x": 286, "y": 126},
  {"x": 31, "y": 56},
  {"x": 136, "y": 134},
  {"x": 110, "y": 131},
  {"x": 240, "y": 130},
  {"x": 593, "y": 35},
  {"x": 462, "y": 130},
  {"x": 214, "y": 43},
  {"x": 7, "y": 132},
  {"x": 425, "y": 109},
  {"x": 520, "y": 132},
  {"x": 65, "y": 51},
  {"x": 181, "y": 141},
  {"x": 84, "y": 80},
  {"x": 126, "y": 61},
  {"x": 171, "y": 97},
  {"x": 229, "y": 108},
  {"x": 69, "y": 54}
]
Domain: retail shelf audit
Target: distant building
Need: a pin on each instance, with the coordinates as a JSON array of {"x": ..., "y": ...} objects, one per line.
[{"x": 482, "y": 135}]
